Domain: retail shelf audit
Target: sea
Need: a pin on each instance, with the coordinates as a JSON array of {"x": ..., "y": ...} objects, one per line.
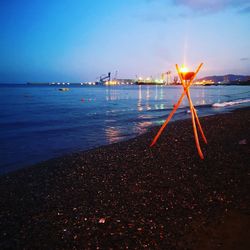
[{"x": 38, "y": 123}]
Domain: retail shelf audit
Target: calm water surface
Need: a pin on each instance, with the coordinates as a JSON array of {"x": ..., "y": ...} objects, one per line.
[{"x": 41, "y": 122}]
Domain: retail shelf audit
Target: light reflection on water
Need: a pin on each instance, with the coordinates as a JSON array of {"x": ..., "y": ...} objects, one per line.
[
  {"x": 38, "y": 123},
  {"x": 113, "y": 134},
  {"x": 151, "y": 99}
]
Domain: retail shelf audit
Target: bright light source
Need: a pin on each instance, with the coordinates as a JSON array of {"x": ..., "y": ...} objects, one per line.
[
  {"x": 184, "y": 69},
  {"x": 185, "y": 73}
]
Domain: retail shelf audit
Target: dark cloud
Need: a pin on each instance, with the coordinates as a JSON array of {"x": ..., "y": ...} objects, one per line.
[{"x": 245, "y": 59}]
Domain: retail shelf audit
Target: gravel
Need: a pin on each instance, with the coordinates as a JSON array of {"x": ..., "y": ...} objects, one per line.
[{"x": 130, "y": 196}]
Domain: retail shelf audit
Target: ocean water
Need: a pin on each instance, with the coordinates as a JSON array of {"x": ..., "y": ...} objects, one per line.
[{"x": 40, "y": 122}]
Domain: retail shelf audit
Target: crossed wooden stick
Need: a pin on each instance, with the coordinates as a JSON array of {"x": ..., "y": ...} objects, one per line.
[{"x": 186, "y": 81}]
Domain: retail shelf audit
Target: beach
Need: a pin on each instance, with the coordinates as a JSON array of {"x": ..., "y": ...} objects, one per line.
[{"x": 130, "y": 196}]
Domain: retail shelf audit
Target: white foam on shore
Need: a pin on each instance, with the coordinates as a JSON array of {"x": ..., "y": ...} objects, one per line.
[{"x": 224, "y": 104}]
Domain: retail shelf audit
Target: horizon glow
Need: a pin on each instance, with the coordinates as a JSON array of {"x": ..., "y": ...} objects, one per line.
[{"x": 74, "y": 41}]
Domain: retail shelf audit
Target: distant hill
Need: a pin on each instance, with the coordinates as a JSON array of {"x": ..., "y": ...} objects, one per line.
[{"x": 226, "y": 78}]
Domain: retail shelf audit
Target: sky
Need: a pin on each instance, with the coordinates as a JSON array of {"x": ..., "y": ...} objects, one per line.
[{"x": 79, "y": 40}]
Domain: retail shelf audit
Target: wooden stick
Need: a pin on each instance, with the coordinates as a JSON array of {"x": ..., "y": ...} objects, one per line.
[
  {"x": 192, "y": 112},
  {"x": 176, "y": 106},
  {"x": 199, "y": 126},
  {"x": 194, "y": 127},
  {"x": 195, "y": 114}
]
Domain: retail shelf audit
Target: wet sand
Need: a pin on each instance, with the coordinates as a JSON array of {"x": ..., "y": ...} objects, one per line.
[{"x": 130, "y": 196}]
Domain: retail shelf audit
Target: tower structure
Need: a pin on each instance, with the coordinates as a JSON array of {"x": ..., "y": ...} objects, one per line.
[{"x": 186, "y": 77}]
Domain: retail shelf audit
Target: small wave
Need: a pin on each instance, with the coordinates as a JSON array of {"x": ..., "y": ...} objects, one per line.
[
  {"x": 188, "y": 111},
  {"x": 231, "y": 103}
]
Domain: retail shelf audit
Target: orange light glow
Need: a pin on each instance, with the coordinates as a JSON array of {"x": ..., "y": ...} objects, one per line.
[
  {"x": 185, "y": 73},
  {"x": 184, "y": 69}
]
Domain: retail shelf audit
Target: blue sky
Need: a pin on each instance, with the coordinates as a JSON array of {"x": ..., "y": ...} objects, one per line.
[{"x": 79, "y": 40}]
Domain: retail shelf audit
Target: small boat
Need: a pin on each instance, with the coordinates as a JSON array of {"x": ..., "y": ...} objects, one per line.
[{"x": 64, "y": 89}]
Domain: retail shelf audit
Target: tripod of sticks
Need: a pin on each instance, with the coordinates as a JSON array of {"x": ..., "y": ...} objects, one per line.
[{"x": 186, "y": 81}]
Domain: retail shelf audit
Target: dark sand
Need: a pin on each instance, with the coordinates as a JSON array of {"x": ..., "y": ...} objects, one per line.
[{"x": 128, "y": 195}]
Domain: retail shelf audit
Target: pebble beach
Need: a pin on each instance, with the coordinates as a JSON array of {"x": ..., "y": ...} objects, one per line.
[{"x": 130, "y": 196}]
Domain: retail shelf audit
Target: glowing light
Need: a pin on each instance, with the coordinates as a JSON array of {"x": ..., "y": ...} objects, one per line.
[
  {"x": 185, "y": 73},
  {"x": 111, "y": 82},
  {"x": 184, "y": 69}
]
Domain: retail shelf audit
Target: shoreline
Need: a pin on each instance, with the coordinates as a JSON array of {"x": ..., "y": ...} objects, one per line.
[
  {"x": 129, "y": 195},
  {"x": 231, "y": 109},
  {"x": 28, "y": 140}
]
